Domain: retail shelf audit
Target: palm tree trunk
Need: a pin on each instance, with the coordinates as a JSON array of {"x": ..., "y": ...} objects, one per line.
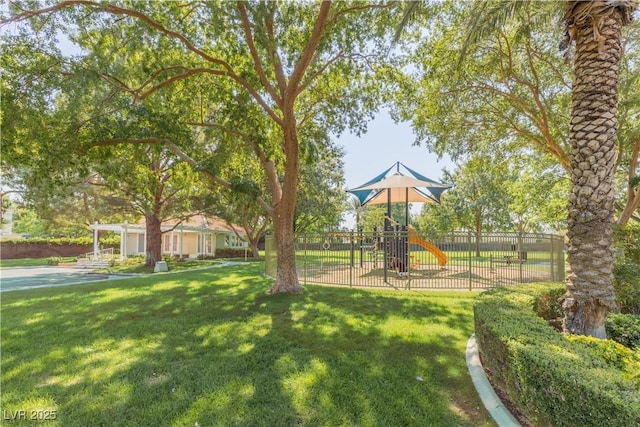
[{"x": 590, "y": 294}]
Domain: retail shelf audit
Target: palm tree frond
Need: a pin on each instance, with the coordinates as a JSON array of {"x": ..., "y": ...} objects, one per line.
[{"x": 486, "y": 17}]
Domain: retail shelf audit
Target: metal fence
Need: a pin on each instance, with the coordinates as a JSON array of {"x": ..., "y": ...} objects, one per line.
[{"x": 407, "y": 260}]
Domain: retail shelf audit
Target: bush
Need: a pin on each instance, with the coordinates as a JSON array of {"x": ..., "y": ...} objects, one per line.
[
  {"x": 547, "y": 304},
  {"x": 54, "y": 260},
  {"x": 624, "y": 329},
  {"x": 613, "y": 353},
  {"x": 551, "y": 378},
  {"x": 231, "y": 253},
  {"x": 626, "y": 281}
]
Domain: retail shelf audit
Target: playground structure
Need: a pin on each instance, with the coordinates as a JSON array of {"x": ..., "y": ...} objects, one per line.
[
  {"x": 440, "y": 256},
  {"x": 406, "y": 188},
  {"x": 357, "y": 259},
  {"x": 399, "y": 257}
]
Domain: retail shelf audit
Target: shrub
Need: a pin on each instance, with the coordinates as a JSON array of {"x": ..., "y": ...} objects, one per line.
[
  {"x": 54, "y": 260},
  {"x": 624, "y": 329},
  {"x": 231, "y": 253},
  {"x": 552, "y": 379},
  {"x": 547, "y": 304},
  {"x": 626, "y": 281},
  {"x": 613, "y": 353}
]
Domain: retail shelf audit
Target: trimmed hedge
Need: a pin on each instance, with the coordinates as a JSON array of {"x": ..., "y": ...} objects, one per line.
[
  {"x": 554, "y": 379},
  {"x": 625, "y": 329},
  {"x": 42, "y": 248},
  {"x": 228, "y": 253}
]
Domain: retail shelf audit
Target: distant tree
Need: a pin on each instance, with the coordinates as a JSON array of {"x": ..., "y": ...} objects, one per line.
[
  {"x": 148, "y": 180},
  {"x": 538, "y": 195},
  {"x": 479, "y": 198},
  {"x": 321, "y": 197},
  {"x": 26, "y": 221}
]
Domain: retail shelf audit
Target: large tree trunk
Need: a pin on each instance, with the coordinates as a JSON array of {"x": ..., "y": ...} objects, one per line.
[
  {"x": 287, "y": 274},
  {"x": 590, "y": 294},
  {"x": 285, "y": 208},
  {"x": 154, "y": 240}
]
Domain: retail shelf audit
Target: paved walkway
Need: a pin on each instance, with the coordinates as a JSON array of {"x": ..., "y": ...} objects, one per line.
[{"x": 12, "y": 279}]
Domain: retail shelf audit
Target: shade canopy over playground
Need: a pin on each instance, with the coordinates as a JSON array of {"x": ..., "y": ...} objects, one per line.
[
  {"x": 399, "y": 187},
  {"x": 407, "y": 187}
]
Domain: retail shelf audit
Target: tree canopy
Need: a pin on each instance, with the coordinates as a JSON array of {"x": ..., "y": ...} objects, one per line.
[{"x": 260, "y": 74}]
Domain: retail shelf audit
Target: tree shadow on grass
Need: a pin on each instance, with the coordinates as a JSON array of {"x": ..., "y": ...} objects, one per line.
[{"x": 216, "y": 349}]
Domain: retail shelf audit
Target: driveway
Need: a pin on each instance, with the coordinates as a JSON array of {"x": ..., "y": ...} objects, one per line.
[{"x": 12, "y": 279}]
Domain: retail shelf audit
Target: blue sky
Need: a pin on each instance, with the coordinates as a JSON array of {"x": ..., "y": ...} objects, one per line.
[{"x": 384, "y": 144}]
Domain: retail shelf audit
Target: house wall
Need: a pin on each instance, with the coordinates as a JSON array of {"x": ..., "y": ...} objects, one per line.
[
  {"x": 132, "y": 244},
  {"x": 190, "y": 244}
]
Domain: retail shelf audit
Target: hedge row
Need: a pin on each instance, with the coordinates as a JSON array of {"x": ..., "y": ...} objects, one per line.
[
  {"x": 228, "y": 253},
  {"x": 554, "y": 379},
  {"x": 61, "y": 241},
  {"x": 49, "y": 241},
  {"x": 625, "y": 329},
  {"x": 50, "y": 247}
]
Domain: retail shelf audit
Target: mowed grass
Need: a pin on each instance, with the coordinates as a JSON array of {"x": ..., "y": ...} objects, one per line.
[
  {"x": 30, "y": 262},
  {"x": 213, "y": 348}
]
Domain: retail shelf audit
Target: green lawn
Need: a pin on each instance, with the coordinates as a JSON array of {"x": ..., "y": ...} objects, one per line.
[
  {"x": 213, "y": 348},
  {"x": 30, "y": 262}
]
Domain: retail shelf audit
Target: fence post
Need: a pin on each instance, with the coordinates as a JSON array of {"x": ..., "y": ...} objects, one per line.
[
  {"x": 304, "y": 259},
  {"x": 552, "y": 244},
  {"x": 519, "y": 256},
  {"x": 469, "y": 254},
  {"x": 351, "y": 236}
]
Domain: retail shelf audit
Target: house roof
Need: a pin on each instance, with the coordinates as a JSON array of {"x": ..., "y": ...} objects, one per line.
[
  {"x": 200, "y": 221},
  {"x": 195, "y": 223}
]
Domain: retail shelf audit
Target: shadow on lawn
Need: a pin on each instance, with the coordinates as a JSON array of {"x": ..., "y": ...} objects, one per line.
[{"x": 214, "y": 348}]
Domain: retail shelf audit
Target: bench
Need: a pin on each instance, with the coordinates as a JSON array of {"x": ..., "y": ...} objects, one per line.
[{"x": 508, "y": 260}]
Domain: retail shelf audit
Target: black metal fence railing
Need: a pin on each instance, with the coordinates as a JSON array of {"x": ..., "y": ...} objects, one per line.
[{"x": 408, "y": 260}]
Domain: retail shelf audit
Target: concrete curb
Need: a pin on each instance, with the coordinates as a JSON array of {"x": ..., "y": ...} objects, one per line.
[{"x": 490, "y": 399}]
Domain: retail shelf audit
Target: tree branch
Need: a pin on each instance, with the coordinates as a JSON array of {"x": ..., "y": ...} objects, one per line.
[
  {"x": 116, "y": 10},
  {"x": 311, "y": 47},
  {"x": 267, "y": 164},
  {"x": 248, "y": 35},
  {"x": 171, "y": 145},
  {"x": 277, "y": 63}
]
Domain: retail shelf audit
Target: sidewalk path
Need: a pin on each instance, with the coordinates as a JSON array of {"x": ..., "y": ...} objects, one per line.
[{"x": 12, "y": 279}]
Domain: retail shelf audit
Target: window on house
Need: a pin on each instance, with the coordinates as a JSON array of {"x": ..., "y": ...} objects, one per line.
[{"x": 232, "y": 241}]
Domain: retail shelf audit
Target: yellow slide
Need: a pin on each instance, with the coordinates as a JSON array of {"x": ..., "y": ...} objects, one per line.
[{"x": 441, "y": 257}]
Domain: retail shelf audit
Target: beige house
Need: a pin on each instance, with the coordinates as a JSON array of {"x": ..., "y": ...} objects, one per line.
[{"x": 199, "y": 235}]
